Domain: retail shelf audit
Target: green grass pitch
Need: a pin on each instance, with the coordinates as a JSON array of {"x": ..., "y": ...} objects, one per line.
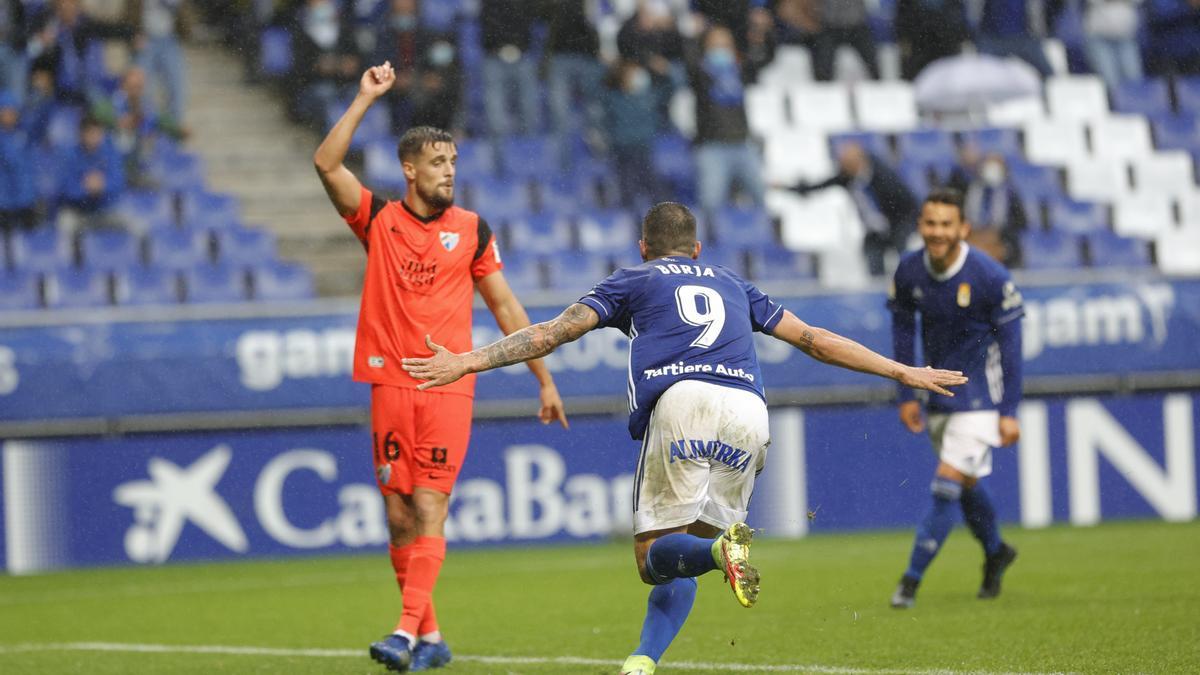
[{"x": 1121, "y": 597}]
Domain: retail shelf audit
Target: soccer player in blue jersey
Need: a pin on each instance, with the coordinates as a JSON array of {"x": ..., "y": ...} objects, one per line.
[
  {"x": 970, "y": 314},
  {"x": 696, "y": 402}
]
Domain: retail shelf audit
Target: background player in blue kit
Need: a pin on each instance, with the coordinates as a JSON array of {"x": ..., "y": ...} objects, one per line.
[
  {"x": 696, "y": 402},
  {"x": 971, "y": 322}
]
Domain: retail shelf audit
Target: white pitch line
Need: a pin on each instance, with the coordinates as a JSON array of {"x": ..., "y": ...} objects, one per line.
[{"x": 498, "y": 660}]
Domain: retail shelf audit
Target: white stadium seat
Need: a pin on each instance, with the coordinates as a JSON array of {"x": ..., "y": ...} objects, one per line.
[
  {"x": 1016, "y": 111},
  {"x": 1121, "y": 137},
  {"x": 1080, "y": 97},
  {"x": 1143, "y": 216},
  {"x": 1098, "y": 180},
  {"x": 824, "y": 222},
  {"x": 683, "y": 112},
  {"x": 1189, "y": 210},
  {"x": 1164, "y": 173},
  {"x": 823, "y": 107},
  {"x": 1054, "y": 142},
  {"x": 885, "y": 106},
  {"x": 1179, "y": 251},
  {"x": 765, "y": 110},
  {"x": 791, "y": 65},
  {"x": 792, "y": 156}
]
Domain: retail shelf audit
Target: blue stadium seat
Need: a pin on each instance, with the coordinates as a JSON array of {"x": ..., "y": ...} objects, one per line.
[
  {"x": 1187, "y": 94},
  {"x": 990, "y": 140},
  {"x": 19, "y": 290},
  {"x": 874, "y": 143},
  {"x": 40, "y": 250},
  {"x": 731, "y": 258},
  {"x": 735, "y": 227},
  {"x": 1034, "y": 181},
  {"x": 177, "y": 249},
  {"x": 1051, "y": 250},
  {"x": 673, "y": 162},
  {"x": 499, "y": 199},
  {"x": 522, "y": 271},
  {"x": 147, "y": 285},
  {"x": 440, "y": 16},
  {"x": 381, "y": 166},
  {"x": 575, "y": 271},
  {"x": 109, "y": 250},
  {"x": 214, "y": 283},
  {"x": 565, "y": 194},
  {"x": 530, "y": 156},
  {"x": 476, "y": 158},
  {"x": 1034, "y": 218},
  {"x": 73, "y": 287},
  {"x": 180, "y": 172},
  {"x": 1108, "y": 249},
  {"x": 148, "y": 209},
  {"x": 242, "y": 246},
  {"x": 282, "y": 281},
  {"x": 916, "y": 176},
  {"x": 1069, "y": 215},
  {"x": 540, "y": 233},
  {"x": 209, "y": 210},
  {"x": 376, "y": 124},
  {"x": 931, "y": 147},
  {"x": 775, "y": 263},
  {"x": 1177, "y": 132},
  {"x": 275, "y": 52},
  {"x": 607, "y": 231},
  {"x": 1144, "y": 97}
]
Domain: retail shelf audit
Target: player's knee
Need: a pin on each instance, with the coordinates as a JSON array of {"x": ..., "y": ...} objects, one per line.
[
  {"x": 644, "y": 573},
  {"x": 945, "y": 488},
  {"x": 430, "y": 510}
]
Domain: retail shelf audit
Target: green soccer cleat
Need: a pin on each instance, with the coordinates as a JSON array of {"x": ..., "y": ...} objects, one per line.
[
  {"x": 638, "y": 665},
  {"x": 731, "y": 552}
]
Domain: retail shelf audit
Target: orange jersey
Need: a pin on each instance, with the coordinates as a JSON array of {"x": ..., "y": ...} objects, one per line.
[{"x": 420, "y": 281}]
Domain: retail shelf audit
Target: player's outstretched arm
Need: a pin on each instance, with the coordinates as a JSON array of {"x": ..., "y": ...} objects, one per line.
[
  {"x": 511, "y": 317},
  {"x": 531, "y": 342},
  {"x": 831, "y": 348},
  {"x": 343, "y": 187}
]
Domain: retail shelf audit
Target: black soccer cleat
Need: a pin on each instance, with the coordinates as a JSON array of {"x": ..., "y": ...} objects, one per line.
[
  {"x": 993, "y": 571},
  {"x": 906, "y": 593}
]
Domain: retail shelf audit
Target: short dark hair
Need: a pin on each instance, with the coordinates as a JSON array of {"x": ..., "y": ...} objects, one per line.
[
  {"x": 946, "y": 195},
  {"x": 415, "y": 139},
  {"x": 668, "y": 228}
]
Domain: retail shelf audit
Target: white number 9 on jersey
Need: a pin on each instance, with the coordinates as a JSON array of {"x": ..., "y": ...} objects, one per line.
[{"x": 701, "y": 306}]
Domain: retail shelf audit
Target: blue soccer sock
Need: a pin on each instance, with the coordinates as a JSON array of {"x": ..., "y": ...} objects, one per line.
[
  {"x": 667, "y": 609},
  {"x": 981, "y": 517},
  {"x": 932, "y": 531},
  {"x": 679, "y": 555}
]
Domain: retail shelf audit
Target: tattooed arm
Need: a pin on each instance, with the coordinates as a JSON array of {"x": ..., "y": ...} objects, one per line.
[
  {"x": 831, "y": 348},
  {"x": 531, "y": 342}
]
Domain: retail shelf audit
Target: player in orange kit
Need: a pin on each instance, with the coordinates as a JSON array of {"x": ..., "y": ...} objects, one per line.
[{"x": 425, "y": 258}]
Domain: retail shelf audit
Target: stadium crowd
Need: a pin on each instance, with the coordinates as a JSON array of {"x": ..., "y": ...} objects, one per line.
[{"x": 593, "y": 92}]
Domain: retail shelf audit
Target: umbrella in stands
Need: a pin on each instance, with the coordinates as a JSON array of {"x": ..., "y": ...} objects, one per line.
[{"x": 972, "y": 81}]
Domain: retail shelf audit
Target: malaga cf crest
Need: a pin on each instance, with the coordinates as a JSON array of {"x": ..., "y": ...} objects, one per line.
[{"x": 449, "y": 240}]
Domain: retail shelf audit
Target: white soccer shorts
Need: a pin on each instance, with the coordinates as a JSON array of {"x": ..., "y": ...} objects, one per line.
[
  {"x": 704, "y": 445},
  {"x": 964, "y": 440}
]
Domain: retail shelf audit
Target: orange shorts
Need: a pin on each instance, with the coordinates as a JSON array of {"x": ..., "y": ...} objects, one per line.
[{"x": 418, "y": 438}]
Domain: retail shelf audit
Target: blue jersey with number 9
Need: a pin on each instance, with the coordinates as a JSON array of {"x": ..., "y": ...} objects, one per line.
[{"x": 686, "y": 321}]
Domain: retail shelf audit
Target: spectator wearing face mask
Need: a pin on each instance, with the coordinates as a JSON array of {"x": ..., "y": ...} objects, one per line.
[
  {"x": 725, "y": 155},
  {"x": 508, "y": 69},
  {"x": 60, "y": 43},
  {"x": 324, "y": 58},
  {"x": 572, "y": 67},
  {"x": 632, "y": 100},
  {"x": 160, "y": 54},
  {"x": 400, "y": 40},
  {"x": 992, "y": 206},
  {"x": 1110, "y": 28}
]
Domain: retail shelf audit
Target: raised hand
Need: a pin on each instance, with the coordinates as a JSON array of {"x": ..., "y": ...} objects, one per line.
[{"x": 377, "y": 80}]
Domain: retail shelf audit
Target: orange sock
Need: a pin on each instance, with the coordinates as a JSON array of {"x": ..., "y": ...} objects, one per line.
[
  {"x": 424, "y": 564},
  {"x": 429, "y": 622},
  {"x": 400, "y": 556}
]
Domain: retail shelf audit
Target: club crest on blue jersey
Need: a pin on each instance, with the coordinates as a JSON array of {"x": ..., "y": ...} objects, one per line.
[
  {"x": 449, "y": 240},
  {"x": 964, "y": 294}
]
